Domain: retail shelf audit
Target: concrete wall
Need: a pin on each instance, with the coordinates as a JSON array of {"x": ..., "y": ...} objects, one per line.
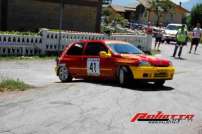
[
  {"x": 47, "y": 42},
  {"x": 29, "y": 15}
]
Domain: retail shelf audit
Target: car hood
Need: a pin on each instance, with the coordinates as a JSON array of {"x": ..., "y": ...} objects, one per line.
[
  {"x": 154, "y": 61},
  {"x": 173, "y": 32}
]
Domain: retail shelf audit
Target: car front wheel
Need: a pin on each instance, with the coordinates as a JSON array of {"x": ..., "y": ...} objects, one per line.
[
  {"x": 64, "y": 74},
  {"x": 124, "y": 76}
]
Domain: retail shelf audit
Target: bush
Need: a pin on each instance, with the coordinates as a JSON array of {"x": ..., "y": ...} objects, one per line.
[
  {"x": 195, "y": 16},
  {"x": 18, "y": 33}
]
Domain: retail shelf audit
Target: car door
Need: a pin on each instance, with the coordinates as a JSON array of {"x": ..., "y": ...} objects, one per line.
[
  {"x": 74, "y": 59},
  {"x": 95, "y": 65}
]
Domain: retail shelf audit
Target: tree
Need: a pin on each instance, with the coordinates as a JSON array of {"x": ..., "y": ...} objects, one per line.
[
  {"x": 187, "y": 20},
  {"x": 111, "y": 17},
  {"x": 196, "y": 14},
  {"x": 160, "y": 7}
]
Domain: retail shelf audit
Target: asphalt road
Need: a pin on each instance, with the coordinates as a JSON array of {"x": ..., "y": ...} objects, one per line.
[{"x": 82, "y": 107}]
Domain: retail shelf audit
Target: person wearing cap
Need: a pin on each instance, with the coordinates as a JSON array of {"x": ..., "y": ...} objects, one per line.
[
  {"x": 181, "y": 38},
  {"x": 196, "y": 36}
]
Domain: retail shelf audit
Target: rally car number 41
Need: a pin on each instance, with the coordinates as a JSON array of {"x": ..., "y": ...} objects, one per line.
[
  {"x": 113, "y": 60},
  {"x": 93, "y": 67}
]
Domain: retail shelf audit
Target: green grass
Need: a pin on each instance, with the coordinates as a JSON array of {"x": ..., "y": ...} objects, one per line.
[
  {"x": 13, "y": 85},
  {"x": 18, "y": 33},
  {"x": 6, "y": 58}
]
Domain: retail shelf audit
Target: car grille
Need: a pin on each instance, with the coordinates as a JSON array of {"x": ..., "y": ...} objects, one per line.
[{"x": 161, "y": 75}]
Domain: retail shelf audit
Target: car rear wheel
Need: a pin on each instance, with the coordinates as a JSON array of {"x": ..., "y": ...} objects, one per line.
[
  {"x": 160, "y": 83},
  {"x": 124, "y": 76},
  {"x": 64, "y": 74}
]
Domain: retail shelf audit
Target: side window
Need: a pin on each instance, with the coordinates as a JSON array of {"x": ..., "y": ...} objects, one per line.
[
  {"x": 76, "y": 49},
  {"x": 94, "y": 49}
]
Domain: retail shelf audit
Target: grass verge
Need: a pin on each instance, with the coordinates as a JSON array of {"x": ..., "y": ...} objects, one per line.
[
  {"x": 13, "y": 85},
  {"x": 3, "y": 58}
]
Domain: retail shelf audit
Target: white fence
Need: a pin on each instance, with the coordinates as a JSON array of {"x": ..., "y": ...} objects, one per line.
[{"x": 47, "y": 41}]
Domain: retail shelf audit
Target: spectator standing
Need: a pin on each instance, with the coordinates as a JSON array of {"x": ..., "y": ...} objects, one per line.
[
  {"x": 196, "y": 37},
  {"x": 158, "y": 37},
  {"x": 149, "y": 29},
  {"x": 181, "y": 37}
]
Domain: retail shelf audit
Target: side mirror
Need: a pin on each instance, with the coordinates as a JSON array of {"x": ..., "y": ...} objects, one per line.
[{"x": 104, "y": 54}]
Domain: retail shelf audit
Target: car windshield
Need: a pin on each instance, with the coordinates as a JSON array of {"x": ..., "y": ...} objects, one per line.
[
  {"x": 173, "y": 27},
  {"x": 124, "y": 48}
]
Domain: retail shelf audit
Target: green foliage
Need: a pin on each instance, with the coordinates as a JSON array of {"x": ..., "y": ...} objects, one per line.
[
  {"x": 196, "y": 15},
  {"x": 188, "y": 21},
  {"x": 13, "y": 85},
  {"x": 106, "y": 29},
  {"x": 18, "y": 33},
  {"x": 111, "y": 17},
  {"x": 160, "y": 7}
]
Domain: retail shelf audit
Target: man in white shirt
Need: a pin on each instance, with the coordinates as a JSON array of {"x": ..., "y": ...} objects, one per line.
[{"x": 196, "y": 37}]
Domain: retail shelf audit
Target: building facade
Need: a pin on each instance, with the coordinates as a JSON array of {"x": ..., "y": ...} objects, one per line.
[
  {"x": 174, "y": 15},
  {"x": 0, "y": 14},
  {"x": 30, "y": 15}
]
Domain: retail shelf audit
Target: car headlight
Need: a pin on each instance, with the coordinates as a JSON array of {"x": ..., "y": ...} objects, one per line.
[{"x": 144, "y": 63}]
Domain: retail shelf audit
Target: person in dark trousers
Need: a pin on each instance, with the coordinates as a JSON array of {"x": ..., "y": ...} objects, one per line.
[
  {"x": 196, "y": 36},
  {"x": 158, "y": 37},
  {"x": 181, "y": 38}
]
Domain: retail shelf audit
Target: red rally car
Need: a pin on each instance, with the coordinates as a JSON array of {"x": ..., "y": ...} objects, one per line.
[{"x": 109, "y": 59}]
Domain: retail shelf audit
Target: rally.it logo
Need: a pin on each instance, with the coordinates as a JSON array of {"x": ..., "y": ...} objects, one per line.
[{"x": 161, "y": 117}]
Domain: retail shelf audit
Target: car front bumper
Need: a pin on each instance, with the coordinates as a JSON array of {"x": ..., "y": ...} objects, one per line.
[
  {"x": 171, "y": 38},
  {"x": 153, "y": 73}
]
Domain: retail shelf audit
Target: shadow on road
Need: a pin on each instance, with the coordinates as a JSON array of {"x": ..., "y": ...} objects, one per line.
[{"x": 135, "y": 85}]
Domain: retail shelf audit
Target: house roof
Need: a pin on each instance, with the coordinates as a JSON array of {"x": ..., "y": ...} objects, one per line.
[
  {"x": 119, "y": 8},
  {"x": 182, "y": 8}
]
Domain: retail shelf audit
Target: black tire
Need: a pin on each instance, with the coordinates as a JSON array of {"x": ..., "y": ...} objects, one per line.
[
  {"x": 64, "y": 75},
  {"x": 124, "y": 76},
  {"x": 160, "y": 83}
]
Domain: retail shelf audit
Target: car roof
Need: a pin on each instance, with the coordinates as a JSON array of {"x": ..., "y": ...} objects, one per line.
[
  {"x": 175, "y": 24},
  {"x": 103, "y": 41}
]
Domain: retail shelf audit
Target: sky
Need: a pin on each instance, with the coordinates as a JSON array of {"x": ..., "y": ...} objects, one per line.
[{"x": 188, "y": 4}]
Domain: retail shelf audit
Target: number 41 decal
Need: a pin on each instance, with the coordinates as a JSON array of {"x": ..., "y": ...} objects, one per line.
[{"x": 93, "y": 66}]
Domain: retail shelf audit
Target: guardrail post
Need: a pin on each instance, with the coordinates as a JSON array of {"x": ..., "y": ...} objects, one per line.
[{"x": 42, "y": 46}]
